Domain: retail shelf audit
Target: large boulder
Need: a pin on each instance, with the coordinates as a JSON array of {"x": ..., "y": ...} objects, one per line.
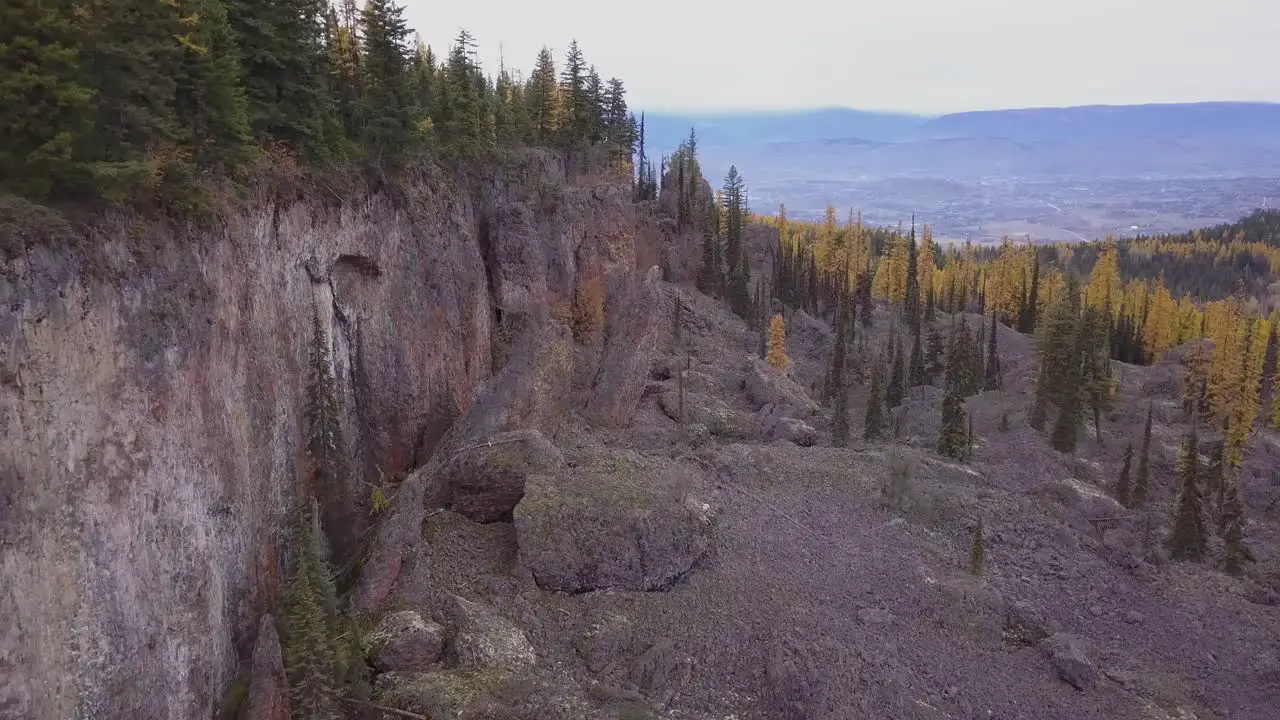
[
  {"x": 404, "y": 641},
  {"x": 464, "y": 694},
  {"x": 635, "y": 315},
  {"x": 767, "y": 386},
  {"x": 484, "y": 481},
  {"x": 484, "y": 639},
  {"x": 699, "y": 409},
  {"x": 268, "y": 686},
  {"x": 772, "y": 423},
  {"x": 616, "y": 521},
  {"x": 1070, "y": 660}
]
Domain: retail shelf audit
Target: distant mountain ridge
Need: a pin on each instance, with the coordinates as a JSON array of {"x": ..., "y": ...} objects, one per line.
[{"x": 1069, "y": 172}]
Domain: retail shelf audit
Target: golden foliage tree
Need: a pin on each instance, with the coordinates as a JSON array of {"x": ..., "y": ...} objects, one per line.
[{"x": 777, "y": 353}]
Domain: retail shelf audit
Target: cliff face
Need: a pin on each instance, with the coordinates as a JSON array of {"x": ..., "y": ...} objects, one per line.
[{"x": 151, "y": 409}]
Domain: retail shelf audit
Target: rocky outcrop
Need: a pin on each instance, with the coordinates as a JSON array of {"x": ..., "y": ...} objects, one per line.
[
  {"x": 615, "y": 521},
  {"x": 484, "y": 481},
  {"x": 767, "y": 386},
  {"x": 635, "y": 315},
  {"x": 404, "y": 641},
  {"x": 483, "y": 639},
  {"x": 709, "y": 411},
  {"x": 151, "y": 384},
  {"x": 1069, "y": 659},
  {"x": 268, "y": 686}
]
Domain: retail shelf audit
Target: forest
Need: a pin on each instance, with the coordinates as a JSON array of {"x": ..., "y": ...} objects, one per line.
[{"x": 152, "y": 103}]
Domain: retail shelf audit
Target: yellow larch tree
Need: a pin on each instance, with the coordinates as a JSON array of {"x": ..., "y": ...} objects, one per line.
[{"x": 777, "y": 351}]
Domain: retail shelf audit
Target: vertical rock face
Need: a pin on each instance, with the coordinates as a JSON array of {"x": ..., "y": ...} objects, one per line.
[
  {"x": 268, "y": 688},
  {"x": 151, "y": 386}
]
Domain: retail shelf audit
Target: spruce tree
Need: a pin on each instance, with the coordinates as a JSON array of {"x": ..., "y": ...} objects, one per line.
[
  {"x": 386, "y": 105},
  {"x": 1187, "y": 540},
  {"x": 993, "y": 358},
  {"x": 894, "y": 394},
  {"x": 953, "y": 437},
  {"x": 935, "y": 355},
  {"x": 1215, "y": 480},
  {"x": 838, "y": 390},
  {"x": 310, "y": 624},
  {"x": 1142, "y": 483},
  {"x": 1124, "y": 489},
  {"x": 1235, "y": 552},
  {"x": 873, "y": 422},
  {"x": 46, "y": 111},
  {"x": 919, "y": 374},
  {"x": 541, "y": 97}
]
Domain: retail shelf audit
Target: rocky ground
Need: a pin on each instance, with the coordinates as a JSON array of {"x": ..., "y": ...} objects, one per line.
[{"x": 736, "y": 566}]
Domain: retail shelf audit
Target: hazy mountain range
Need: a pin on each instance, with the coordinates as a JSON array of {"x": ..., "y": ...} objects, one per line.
[{"x": 1050, "y": 173}]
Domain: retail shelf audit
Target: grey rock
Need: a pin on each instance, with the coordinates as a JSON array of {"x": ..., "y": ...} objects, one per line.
[
  {"x": 767, "y": 386},
  {"x": 619, "y": 521},
  {"x": 404, "y": 641},
  {"x": 485, "y": 480},
  {"x": 483, "y": 638},
  {"x": 635, "y": 319},
  {"x": 268, "y": 685},
  {"x": 1067, "y": 654}
]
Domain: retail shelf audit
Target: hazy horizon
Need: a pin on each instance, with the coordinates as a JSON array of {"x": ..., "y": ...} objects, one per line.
[{"x": 927, "y": 57}]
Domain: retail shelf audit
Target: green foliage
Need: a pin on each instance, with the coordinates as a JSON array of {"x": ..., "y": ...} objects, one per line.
[
  {"x": 311, "y": 646},
  {"x": 894, "y": 394},
  {"x": 1142, "y": 483},
  {"x": 839, "y": 390},
  {"x": 1235, "y": 551},
  {"x": 1188, "y": 539},
  {"x": 873, "y": 422}
]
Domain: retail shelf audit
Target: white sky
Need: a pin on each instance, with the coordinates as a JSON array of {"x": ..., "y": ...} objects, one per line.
[{"x": 919, "y": 55}]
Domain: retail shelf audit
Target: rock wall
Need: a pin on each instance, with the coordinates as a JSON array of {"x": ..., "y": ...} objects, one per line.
[{"x": 151, "y": 408}]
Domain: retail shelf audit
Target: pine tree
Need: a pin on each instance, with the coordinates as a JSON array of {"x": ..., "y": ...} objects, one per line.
[
  {"x": 919, "y": 374},
  {"x": 1124, "y": 489},
  {"x": 1187, "y": 540},
  {"x": 953, "y": 437},
  {"x": 386, "y": 106},
  {"x": 1142, "y": 483},
  {"x": 977, "y": 552},
  {"x": 541, "y": 97},
  {"x": 894, "y": 394},
  {"x": 310, "y": 647},
  {"x": 838, "y": 389},
  {"x": 1214, "y": 479},
  {"x": 936, "y": 352},
  {"x": 576, "y": 106},
  {"x": 1235, "y": 552},
  {"x": 993, "y": 358},
  {"x": 873, "y": 422},
  {"x": 46, "y": 112},
  {"x": 777, "y": 353}
]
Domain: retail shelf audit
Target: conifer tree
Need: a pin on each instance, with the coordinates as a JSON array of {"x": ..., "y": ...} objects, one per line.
[
  {"x": 1214, "y": 479},
  {"x": 310, "y": 647},
  {"x": 919, "y": 374},
  {"x": 46, "y": 111},
  {"x": 1187, "y": 540},
  {"x": 893, "y": 396},
  {"x": 953, "y": 437},
  {"x": 935, "y": 355},
  {"x": 575, "y": 106},
  {"x": 386, "y": 107},
  {"x": 838, "y": 389},
  {"x": 541, "y": 97},
  {"x": 1234, "y": 550},
  {"x": 873, "y": 421},
  {"x": 1142, "y": 483},
  {"x": 993, "y": 358}
]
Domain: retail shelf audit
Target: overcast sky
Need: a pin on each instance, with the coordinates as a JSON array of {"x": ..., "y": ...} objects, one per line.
[{"x": 919, "y": 55}]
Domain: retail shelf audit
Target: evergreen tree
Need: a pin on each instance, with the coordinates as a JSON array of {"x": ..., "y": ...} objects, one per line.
[
  {"x": 952, "y": 440},
  {"x": 1214, "y": 479},
  {"x": 893, "y": 396},
  {"x": 285, "y": 66},
  {"x": 1027, "y": 316},
  {"x": 935, "y": 353},
  {"x": 310, "y": 647},
  {"x": 737, "y": 273},
  {"x": 839, "y": 391},
  {"x": 873, "y": 422},
  {"x": 46, "y": 112},
  {"x": 919, "y": 374},
  {"x": 1234, "y": 549},
  {"x": 541, "y": 97},
  {"x": 386, "y": 107},
  {"x": 576, "y": 111},
  {"x": 993, "y": 358},
  {"x": 1187, "y": 540},
  {"x": 1124, "y": 489},
  {"x": 1142, "y": 483}
]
